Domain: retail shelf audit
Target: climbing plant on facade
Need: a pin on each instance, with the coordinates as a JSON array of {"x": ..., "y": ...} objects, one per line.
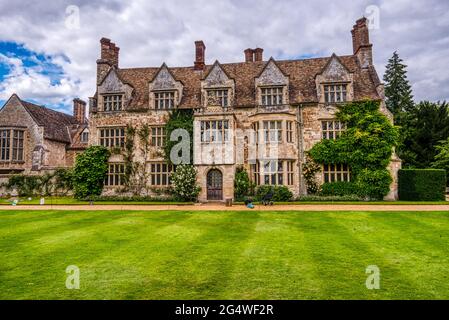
[
  {"x": 90, "y": 171},
  {"x": 128, "y": 156},
  {"x": 136, "y": 175},
  {"x": 366, "y": 146},
  {"x": 179, "y": 119},
  {"x": 310, "y": 169}
]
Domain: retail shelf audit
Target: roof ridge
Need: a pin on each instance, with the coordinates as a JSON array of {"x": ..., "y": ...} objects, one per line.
[
  {"x": 46, "y": 108},
  {"x": 240, "y": 62}
]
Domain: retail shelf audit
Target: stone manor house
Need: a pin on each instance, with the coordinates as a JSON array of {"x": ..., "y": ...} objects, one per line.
[{"x": 260, "y": 114}]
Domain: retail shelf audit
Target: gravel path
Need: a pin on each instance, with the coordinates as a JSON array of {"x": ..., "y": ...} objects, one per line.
[{"x": 219, "y": 207}]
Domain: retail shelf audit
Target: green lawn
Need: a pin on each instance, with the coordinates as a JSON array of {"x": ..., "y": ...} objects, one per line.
[
  {"x": 224, "y": 255},
  {"x": 71, "y": 201}
]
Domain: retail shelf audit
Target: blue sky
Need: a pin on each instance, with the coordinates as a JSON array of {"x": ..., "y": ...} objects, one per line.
[
  {"x": 30, "y": 61},
  {"x": 48, "y": 50}
]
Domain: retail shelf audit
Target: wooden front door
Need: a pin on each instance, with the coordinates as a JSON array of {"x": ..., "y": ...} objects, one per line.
[{"x": 214, "y": 185}]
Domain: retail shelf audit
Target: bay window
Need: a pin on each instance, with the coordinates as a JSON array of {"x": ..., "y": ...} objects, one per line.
[{"x": 215, "y": 131}]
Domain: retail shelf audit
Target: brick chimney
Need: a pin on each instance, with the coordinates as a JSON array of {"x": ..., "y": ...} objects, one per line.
[
  {"x": 249, "y": 55},
  {"x": 109, "y": 52},
  {"x": 362, "y": 47},
  {"x": 258, "y": 54},
  {"x": 200, "y": 52},
  {"x": 109, "y": 58},
  {"x": 79, "y": 110}
]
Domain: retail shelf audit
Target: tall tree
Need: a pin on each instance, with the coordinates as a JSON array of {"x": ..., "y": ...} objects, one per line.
[
  {"x": 442, "y": 158},
  {"x": 398, "y": 92},
  {"x": 423, "y": 128}
]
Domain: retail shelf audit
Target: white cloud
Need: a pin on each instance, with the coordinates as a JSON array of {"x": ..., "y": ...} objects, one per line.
[
  {"x": 31, "y": 83},
  {"x": 150, "y": 32}
]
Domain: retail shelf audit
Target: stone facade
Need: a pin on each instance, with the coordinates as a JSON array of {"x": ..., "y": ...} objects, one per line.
[
  {"x": 262, "y": 115},
  {"x": 50, "y": 139}
]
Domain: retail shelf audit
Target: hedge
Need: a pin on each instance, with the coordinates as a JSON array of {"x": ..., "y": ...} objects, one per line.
[
  {"x": 338, "y": 189},
  {"x": 422, "y": 184},
  {"x": 280, "y": 193}
]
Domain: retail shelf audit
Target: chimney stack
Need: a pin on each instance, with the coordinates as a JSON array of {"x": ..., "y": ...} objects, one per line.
[
  {"x": 109, "y": 52},
  {"x": 109, "y": 58},
  {"x": 258, "y": 54},
  {"x": 200, "y": 52},
  {"x": 79, "y": 110},
  {"x": 249, "y": 55},
  {"x": 362, "y": 47}
]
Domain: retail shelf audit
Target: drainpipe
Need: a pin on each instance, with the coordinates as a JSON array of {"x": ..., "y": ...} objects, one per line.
[{"x": 300, "y": 140}]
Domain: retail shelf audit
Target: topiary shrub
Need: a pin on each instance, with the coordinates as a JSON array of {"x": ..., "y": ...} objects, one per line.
[
  {"x": 422, "y": 185},
  {"x": 338, "y": 189},
  {"x": 184, "y": 183},
  {"x": 280, "y": 193},
  {"x": 90, "y": 171},
  {"x": 373, "y": 184}
]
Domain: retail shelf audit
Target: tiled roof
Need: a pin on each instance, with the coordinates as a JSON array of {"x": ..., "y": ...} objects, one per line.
[
  {"x": 56, "y": 124},
  {"x": 301, "y": 78}
]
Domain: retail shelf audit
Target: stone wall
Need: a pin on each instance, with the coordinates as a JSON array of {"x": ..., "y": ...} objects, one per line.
[{"x": 13, "y": 115}]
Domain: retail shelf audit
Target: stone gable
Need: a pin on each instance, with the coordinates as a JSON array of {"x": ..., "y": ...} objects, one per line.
[{"x": 272, "y": 76}]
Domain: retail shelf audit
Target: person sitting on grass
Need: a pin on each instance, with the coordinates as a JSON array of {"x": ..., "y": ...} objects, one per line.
[{"x": 249, "y": 203}]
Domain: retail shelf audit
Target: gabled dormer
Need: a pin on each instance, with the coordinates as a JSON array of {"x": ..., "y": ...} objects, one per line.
[
  {"x": 335, "y": 82},
  {"x": 272, "y": 86},
  {"x": 165, "y": 91},
  {"x": 113, "y": 94},
  {"x": 217, "y": 88}
]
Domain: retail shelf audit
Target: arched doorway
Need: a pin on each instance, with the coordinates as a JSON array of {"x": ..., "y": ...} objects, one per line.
[{"x": 214, "y": 185}]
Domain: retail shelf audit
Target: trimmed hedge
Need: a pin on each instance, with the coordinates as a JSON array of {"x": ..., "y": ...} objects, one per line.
[
  {"x": 280, "y": 193},
  {"x": 338, "y": 189},
  {"x": 318, "y": 198},
  {"x": 422, "y": 184}
]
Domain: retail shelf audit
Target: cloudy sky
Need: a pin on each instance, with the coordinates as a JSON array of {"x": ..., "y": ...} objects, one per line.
[{"x": 48, "y": 49}]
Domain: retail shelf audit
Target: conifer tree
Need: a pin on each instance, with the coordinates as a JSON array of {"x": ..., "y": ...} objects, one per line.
[{"x": 398, "y": 92}]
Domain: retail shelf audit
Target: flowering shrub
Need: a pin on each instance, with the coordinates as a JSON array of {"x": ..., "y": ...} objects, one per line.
[{"x": 184, "y": 183}]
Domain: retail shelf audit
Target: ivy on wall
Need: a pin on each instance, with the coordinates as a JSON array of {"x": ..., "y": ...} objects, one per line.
[
  {"x": 366, "y": 146},
  {"x": 136, "y": 175},
  {"x": 179, "y": 119},
  {"x": 89, "y": 172},
  {"x": 128, "y": 156}
]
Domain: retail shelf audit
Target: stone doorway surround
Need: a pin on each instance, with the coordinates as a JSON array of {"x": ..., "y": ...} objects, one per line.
[{"x": 214, "y": 185}]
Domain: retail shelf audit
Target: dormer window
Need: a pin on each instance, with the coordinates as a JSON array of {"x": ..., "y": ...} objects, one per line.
[
  {"x": 335, "y": 93},
  {"x": 164, "y": 100},
  {"x": 113, "y": 102},
  {"x": 85, "y": 137},
  {"x": 218, "y": 97},
  {"x": 272, "y": 96}
]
